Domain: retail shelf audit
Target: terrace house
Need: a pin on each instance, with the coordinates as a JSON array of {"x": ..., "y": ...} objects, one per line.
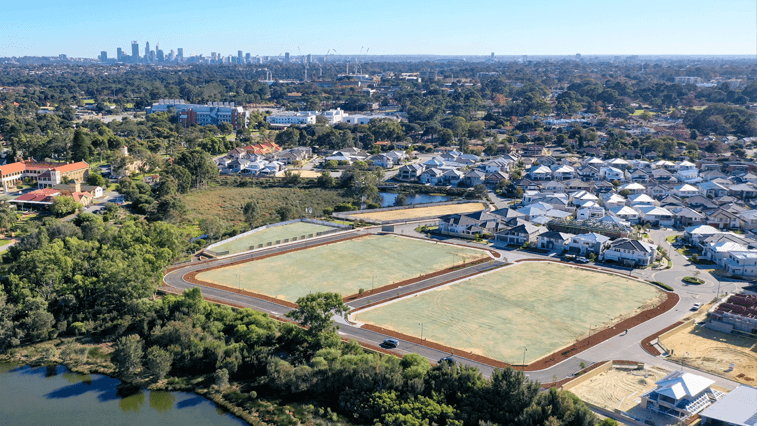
[
  {"x": 742, "y": 263},
  {"x": 564, "y": 173},
  {"x": 554, "y": 241},
  {"x": 409, "y": 172},
  {"x": 540, "y": 173},
  {"x": 723, "y": 219}
]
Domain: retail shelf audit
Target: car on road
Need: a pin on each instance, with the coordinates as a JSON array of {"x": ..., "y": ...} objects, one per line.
[
  {"x": 448, "y": 360},
  {"x": 391, "y": 343},
  {"x": 696, "y": 306},
  {"x": 582, "y": 260}
]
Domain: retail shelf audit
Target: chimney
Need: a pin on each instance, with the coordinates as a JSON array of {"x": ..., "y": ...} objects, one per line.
[{"x": 75, "y": 186}]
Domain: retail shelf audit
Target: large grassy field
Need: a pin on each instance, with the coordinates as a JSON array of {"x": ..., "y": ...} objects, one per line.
[
  {"x": 226, "y": 203},
  {"x": 540, "y": 307},
  {"x": 423, "y": 212},
  {"x": 343, "y": 267},
  {"x": 277, "y": 233}
]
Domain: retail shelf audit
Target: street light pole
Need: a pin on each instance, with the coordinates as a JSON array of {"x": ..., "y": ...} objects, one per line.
[
  {"x": 421, "y": 324},
  {"x": 524, "y": 358}
]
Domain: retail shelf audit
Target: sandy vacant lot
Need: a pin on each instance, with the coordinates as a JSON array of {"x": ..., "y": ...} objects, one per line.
[
  {"x": 711, "y": 350},
  {"x": 618, "y": 389},
  {"x": 422, "y": 212},
  {"x": 541, "y": 307},
  {"x": 306, "y": 173},
  {"x": 344, "y": 267}
]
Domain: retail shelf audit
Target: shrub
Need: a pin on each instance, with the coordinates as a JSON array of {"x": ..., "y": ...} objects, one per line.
[
  {"x": 662, "y": 285},
  {"x": 344, "y": 207},
  {"x": 693, "y": 280},
  {"x": 327, "y": 211}
]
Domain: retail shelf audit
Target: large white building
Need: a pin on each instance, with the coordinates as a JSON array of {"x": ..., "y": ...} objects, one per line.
[{"x": 287, "y": 118}]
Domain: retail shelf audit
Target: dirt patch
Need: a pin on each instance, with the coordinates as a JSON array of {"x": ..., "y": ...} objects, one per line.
[
  {"x": 618, "y": 389},
  {"x": 430, "y": 211},
  {"x": 713, "y": 351}
]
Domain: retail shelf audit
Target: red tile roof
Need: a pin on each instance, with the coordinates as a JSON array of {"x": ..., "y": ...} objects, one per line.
[
  {"x": 40, "y": 195},
  {"x": 71, "y": 167},
  {"x": 12, "y": 168}
]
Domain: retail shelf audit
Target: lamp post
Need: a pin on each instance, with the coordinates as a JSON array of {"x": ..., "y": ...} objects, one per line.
[
  {"x": 524, "y": 358},
  {"x": 421, "y": 324}
]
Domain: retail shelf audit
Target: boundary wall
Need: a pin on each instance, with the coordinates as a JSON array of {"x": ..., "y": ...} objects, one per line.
[{"x": 350, "y": 215}]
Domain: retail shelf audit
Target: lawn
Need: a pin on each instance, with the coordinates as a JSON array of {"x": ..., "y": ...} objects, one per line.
[
  {"x": 344, "y": 267},
  {"x": 422, "y": 212},
  {"x": 270, "y": 235},
  {"x": 541, "y": 307},
  {"x": 226, "y": 203}
]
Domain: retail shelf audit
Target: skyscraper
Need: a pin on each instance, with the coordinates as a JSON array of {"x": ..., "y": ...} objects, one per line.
[
  {"x": 180, "y": 54},
  {"x": 147, "y": 50},
  {"x": 103, "y": 56},
  {"x": 119, "y": 54},
  {"x": 310, "y": 58},
  {"x": 286, "y": 57},
  {"x": 159, "y": 53},
  {"x": 135, "y": 51}
]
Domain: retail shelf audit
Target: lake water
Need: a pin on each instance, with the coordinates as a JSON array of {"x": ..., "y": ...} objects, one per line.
[
  {"x": 43, "y": 396},
  {"x": 387, "y": 198}
]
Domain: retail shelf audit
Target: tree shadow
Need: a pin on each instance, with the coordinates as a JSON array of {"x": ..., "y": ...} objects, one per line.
[
  {"x": 191, "y": 402},
  {"x": 105, "y": 387}
]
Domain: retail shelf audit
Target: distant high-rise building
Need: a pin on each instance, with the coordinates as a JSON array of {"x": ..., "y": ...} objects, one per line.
[
  {"x": 135, "y": 51},
  {"x": 103, "y": 56},
  {"x": 240, "y": 54},
  {"x": 578, "y": 56},
  {"x": 159, "y": 53},
  {"x": 286, "y": 57},
  {"x": 247, "y": 57},
  {"x": 119, "y": 54},
  {"x": 147, "y": 50},
  {"x": 310, "y": 58},
  {"x": 171, "y": 55},
  {"x": 180, "y": 54}
]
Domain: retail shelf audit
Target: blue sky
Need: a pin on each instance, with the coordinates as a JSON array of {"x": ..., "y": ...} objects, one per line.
[{"x": 506, "y": 27}]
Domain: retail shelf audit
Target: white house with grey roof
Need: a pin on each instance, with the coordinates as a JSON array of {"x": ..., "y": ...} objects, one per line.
[
  {"x": 681, "y": 395},
  {"x": 630, "y": 252}
]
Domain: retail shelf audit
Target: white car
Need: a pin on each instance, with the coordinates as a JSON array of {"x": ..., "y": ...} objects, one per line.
[{"x": 696, "y": 306}]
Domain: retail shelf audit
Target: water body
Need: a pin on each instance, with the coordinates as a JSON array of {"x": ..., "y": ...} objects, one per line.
[
  {"x": 387, "y": 198},
  {"x": 55, "y": 396}
]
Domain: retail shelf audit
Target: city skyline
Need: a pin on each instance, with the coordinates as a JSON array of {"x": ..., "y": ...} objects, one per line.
[{"x": 589, "y": 27}]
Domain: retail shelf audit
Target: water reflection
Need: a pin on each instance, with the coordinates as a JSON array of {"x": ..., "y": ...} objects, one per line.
[
  {"x": 162, "y": 401},
  {"x": 132, "y": 402}
]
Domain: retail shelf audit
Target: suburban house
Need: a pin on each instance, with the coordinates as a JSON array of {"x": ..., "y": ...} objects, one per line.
[
  {"x": 742, "y": 263},
  {"x": 696, "y": 234},
  {"x": 409, "y": 172},
  {"x": 519, "y": 235},
  {"x": 723, "y": 219},
  {"x": 630, "y": 252},
  {"x": 554, "y": 241},
  {"x": 540, "y": 173},
  {"x": 432, "y": 176},
  {"x": 656, "y": 215},
  {"x": 685, "y": 216},
  {"x": 680, "y": 395},
  {"x": 473, "y": 178},
  {"x": 737, "y": 408},
  {"x": 583, "y": 244}
]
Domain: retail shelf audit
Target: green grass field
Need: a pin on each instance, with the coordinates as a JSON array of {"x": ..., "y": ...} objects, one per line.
[
  {"x": 277, "y": 233},
  {"x": 343, "y": 267},
  {"x": 538, "y": 306}
]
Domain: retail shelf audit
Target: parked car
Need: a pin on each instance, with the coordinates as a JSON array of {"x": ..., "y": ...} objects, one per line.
[
  {"x": 582, "y": 260},
  {"x": 448, "y": 360},
  {"x": 696, "y": 306},
  {"x": 392, "y": 343}
]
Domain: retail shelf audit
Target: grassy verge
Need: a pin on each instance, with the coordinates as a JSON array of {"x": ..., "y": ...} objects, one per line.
[
  {"x": 662, "y": 285},
  {"x": 693, "y": 280}
]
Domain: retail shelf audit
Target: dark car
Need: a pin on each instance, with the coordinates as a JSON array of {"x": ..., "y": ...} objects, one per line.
[
  {"x": 447, "y": 360},
  {"x": 391, "y": 343}
]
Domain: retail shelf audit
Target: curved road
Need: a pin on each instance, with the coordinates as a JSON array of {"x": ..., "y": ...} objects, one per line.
[{"x": 624, "y": 346}]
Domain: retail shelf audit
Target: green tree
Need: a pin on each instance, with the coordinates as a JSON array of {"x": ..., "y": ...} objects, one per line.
[
  {"x": 81, "y": 146},
  {"x": 325, "y": 180},
  {"x": 286, "y": 213},
  {"x": 251, "y": 212},
  {"x": 181, "y": 175},
  {"x": 96, "y": 179},
  {"x": 199, "y": 164},
  {"x": 65, "y": 205},
  {"x": 212, "y": 227},
  {"x": 127, "y": 356},
  {"x": 400, "y": 200},
  {"x": 315, "y": 311},
  {"x": 158, "y": 362},
  {"x": 169, "y": 209}
]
